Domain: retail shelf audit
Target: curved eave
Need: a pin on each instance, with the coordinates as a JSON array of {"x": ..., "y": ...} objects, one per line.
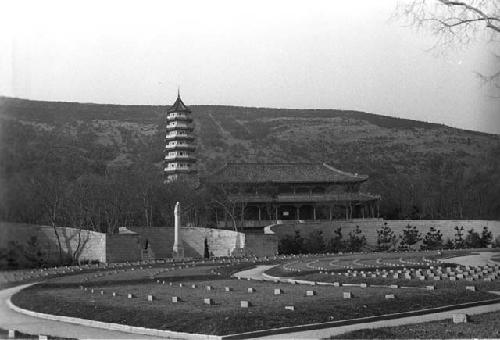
[
  {"x": 178, "y": 137},
  {"x": 179, "y": 110},
  {"x": 180, "y": 147},
  {"x": 359, "y": 179},
  {"x": 180, "y": 119},
  {"x": 180, "y": 159},
  {"x": 184, "y": 128},
  {"x": 179, "y": 171}
]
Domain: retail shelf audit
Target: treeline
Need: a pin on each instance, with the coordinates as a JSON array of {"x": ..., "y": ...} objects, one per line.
[
  {"x": 443, "y": 187},
  {"x": 410, "y": 239}
]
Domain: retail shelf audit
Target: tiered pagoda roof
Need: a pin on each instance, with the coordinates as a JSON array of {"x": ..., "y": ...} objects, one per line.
[
  {"x": 283, "y": 173},
  {"x": 179, "y": 106}
]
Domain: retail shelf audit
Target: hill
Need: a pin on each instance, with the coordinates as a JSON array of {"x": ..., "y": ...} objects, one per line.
[{"x": 422, "y": 170}]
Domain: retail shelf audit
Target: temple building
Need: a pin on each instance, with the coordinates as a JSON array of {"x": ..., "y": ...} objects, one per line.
[
  {"x": 264, "y": 193},
  {"x": 180, "y": 162}
]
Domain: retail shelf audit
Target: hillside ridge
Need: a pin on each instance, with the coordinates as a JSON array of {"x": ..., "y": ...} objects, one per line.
[{"x": 321, "y": 112}]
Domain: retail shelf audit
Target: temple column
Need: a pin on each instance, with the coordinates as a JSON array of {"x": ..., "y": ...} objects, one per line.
[
  {"x": 314, "y": 212},
  {"x": 258, "y": 207},
  {"x": 330, "y": 211},
  {"x": 297, "y": 212}
]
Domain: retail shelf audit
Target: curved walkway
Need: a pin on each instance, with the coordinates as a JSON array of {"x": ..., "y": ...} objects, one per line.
[
  {"x": 10, "y": 319},
  {"x": 256, "y": 273},
  {"x": 481, "y": 259}
]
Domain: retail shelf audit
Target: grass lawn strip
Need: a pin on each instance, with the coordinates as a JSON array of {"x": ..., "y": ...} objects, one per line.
[{"x": 480, "y": 326}]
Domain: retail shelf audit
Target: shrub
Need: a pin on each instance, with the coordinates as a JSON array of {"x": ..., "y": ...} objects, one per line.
[
  {"x": 433, "y": 239},
  {"x": 486, "y": 237},
  {"x": 356, "y": 240},
  {"x": 291, "y": 244},
  {"x": 410, "y": 236},
  {"x": 496, "y": 243},
  {"x": 314, "y": 242},
  {"x": 459, "y": 238},
  {"x": 335, "y": 244},
  {"x": 385, "y": 238},
  {"x": 473, "y": 239},
  {"x": 449, "y": 244}
]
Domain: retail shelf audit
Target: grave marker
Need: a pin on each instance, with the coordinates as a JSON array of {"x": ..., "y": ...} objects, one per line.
[
  {"x": 460, "y": 318},
  {"x": 347, "y": 295},
  {"x": 251, "y": 290},
  {"x": 176, "y": 299},
  {"x": 208, "y": 301},
  {"x": 470, "y": 288},
  {"x": 245, "y": 304},
  {"x": 278, "y": 291},
  {"x": 390, "y": 296},
  {"x": 310, "y": 292},
  {"x": 291, "y": 308},
  {"x": 150, "y": 298}
]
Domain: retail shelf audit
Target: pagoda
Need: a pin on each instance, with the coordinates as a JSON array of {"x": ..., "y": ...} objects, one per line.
[{"x": 180, "y": 162}]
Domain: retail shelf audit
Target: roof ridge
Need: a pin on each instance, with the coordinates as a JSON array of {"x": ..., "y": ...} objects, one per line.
[
  {"x": 275, "y": 163},
  {"x": 342, "y": 172}
]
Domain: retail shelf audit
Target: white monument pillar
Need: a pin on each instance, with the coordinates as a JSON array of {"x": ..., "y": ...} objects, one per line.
[{"x": 178, "y": 249}]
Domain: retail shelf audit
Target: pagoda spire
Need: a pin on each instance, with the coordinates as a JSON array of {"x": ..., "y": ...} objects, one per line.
[{"x": 180, "y": 159}]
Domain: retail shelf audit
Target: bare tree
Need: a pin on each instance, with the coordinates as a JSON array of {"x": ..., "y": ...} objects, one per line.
[{"x": 457, "y": 23}]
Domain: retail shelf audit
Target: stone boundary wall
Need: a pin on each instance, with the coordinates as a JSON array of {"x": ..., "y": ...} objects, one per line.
[
  {"x": 123, "y": 248},
  {"x": 160, "y": 240},
  {"x": 370, "y": 226},
  {"x": 83, "y": 244},
  {"x": 93, "y": 246},
  {"x": 220, "y": 242},
  {"x": 261, "y": 245}
]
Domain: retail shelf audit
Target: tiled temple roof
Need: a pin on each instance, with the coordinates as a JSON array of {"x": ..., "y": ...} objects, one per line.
[{"x": 283, "y": 173}]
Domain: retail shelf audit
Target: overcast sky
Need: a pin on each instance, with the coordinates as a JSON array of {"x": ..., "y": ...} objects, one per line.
[{"x": 282, "y": 54}]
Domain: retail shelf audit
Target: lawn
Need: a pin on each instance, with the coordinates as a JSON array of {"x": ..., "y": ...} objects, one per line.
[
  {"x": 480, "y": 327},
  {"x": 64, "y": 296},
  {"x": 4, "y": 334}
]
